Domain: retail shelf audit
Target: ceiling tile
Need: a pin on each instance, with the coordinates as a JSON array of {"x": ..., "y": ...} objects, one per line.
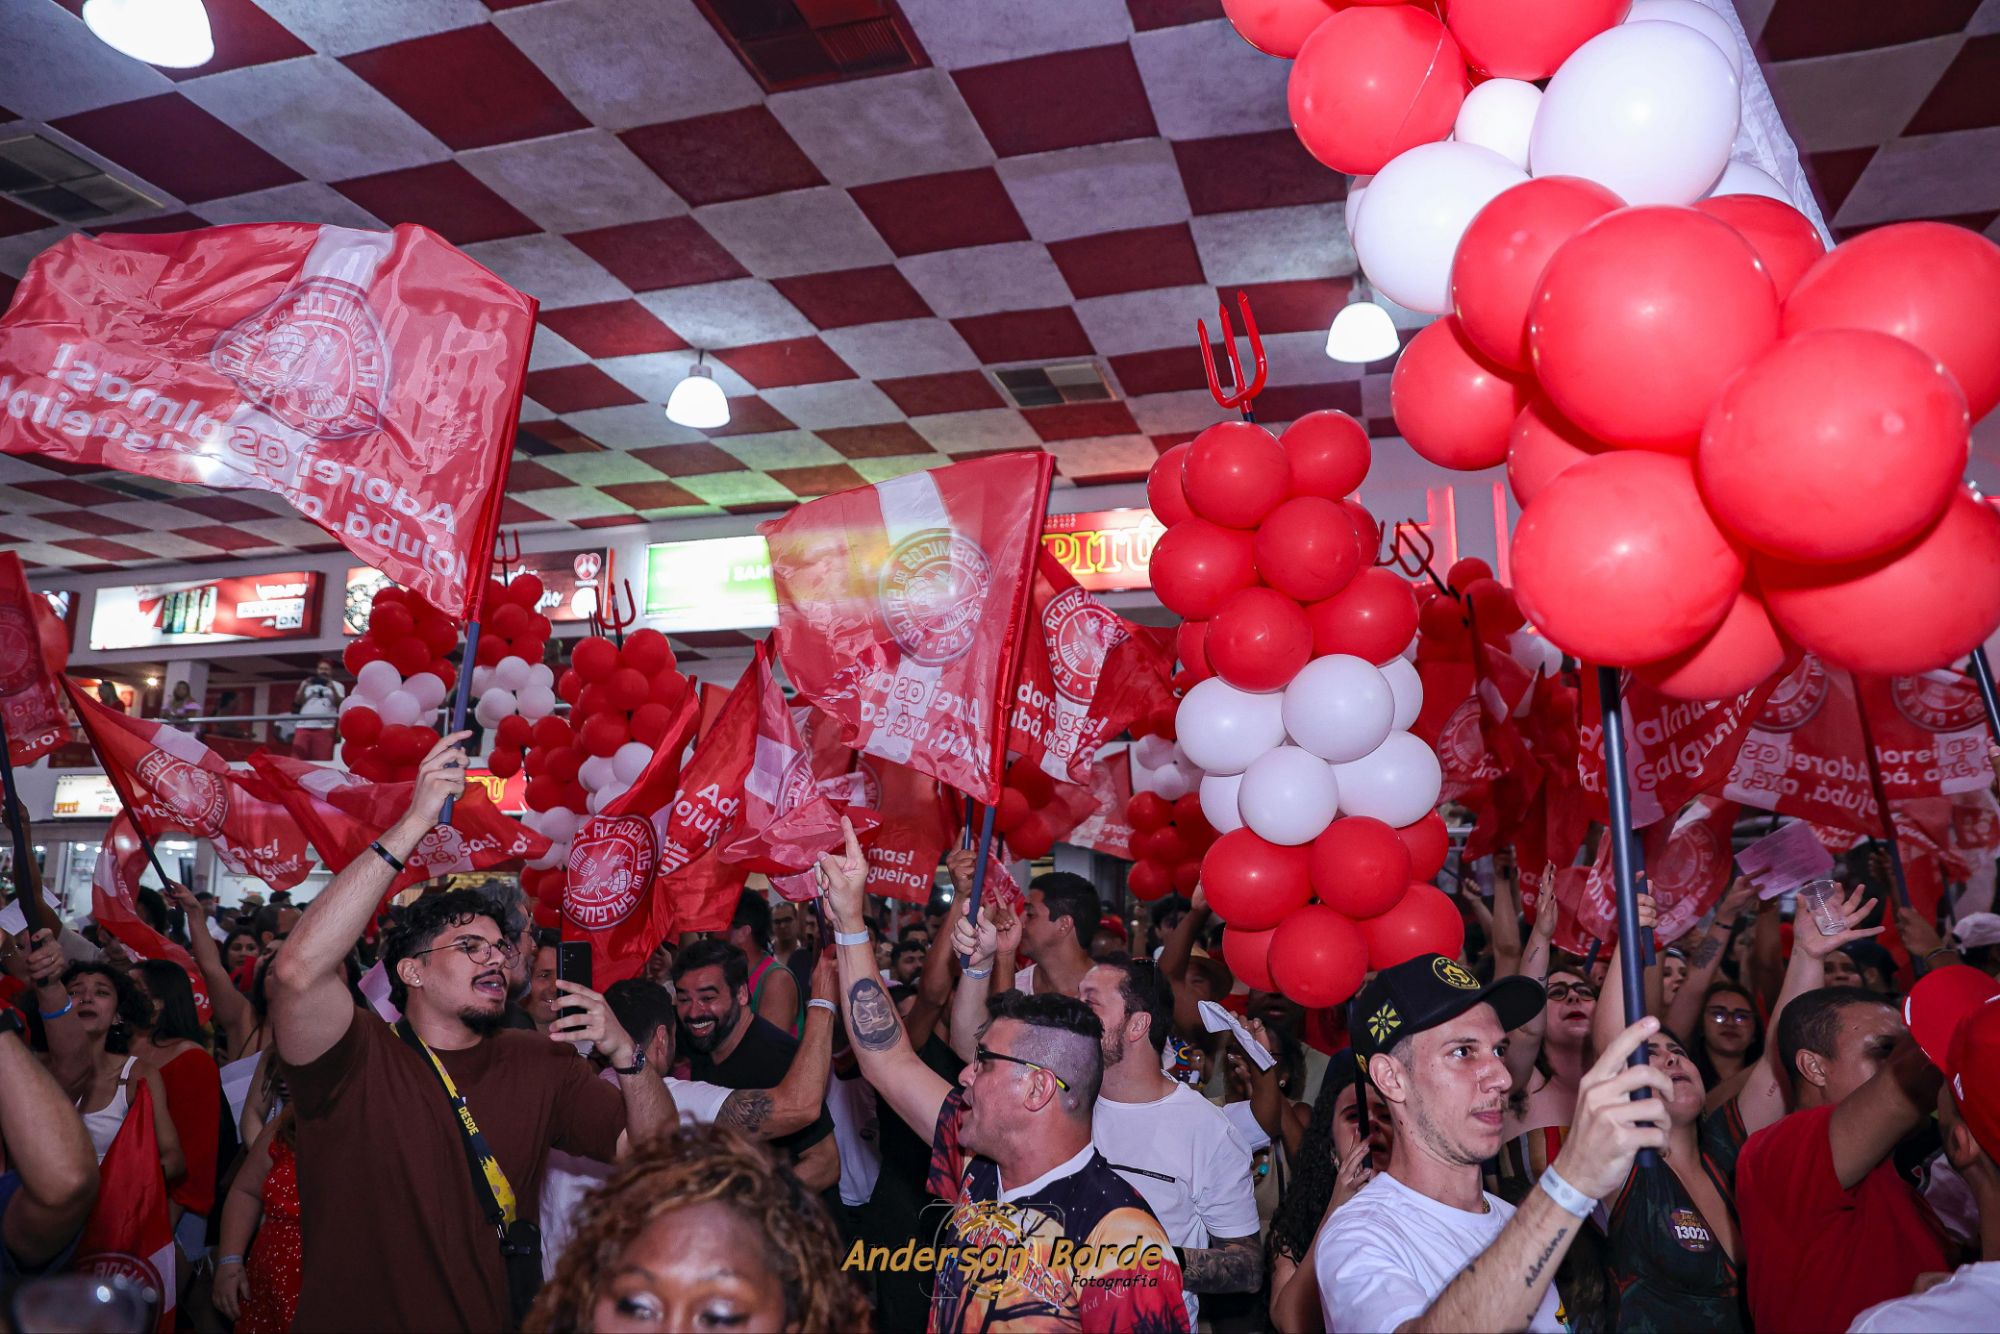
[
  {"x": 612, "y": 329},
  {"x": 1106, "y": 187},
  {"x": 577, "y": 389},
  {"x": 174, "y": 144},
  {"x": 667, "y": 252},
  {"x": 838, "y": 403},
  {"x": 318, "y": 117},
  {"x": 52, "y": 66},
  {"x": 925, "y": 395},
  {"x": 575, "y": 182},
  {"x": 1063, "y": 100},
  {"x": 471, "y": 87},
  {"x": 302, "y": 201},
  {"x": 921, "y": 214},
  {"x": 977, "y": 432},
  {"x": 357, "y": 25},
  {"x": 1237, "y": 172},
  {"x": 444, "y": 197},
  {"x": 728, "y": 314},
  {"x": 665, "y": 63},
  {"x": 924, "y": 347},
  {"x": 712, "y": 159},
  {"x": 983, "y": 280},
  {"x": 867, "y": 130},
  {"x": 1025, "y": 335},
  {"x": 1131, "y": 261},
  {"x": 957, "y": 34},
  {"x": 693, "y": 460},
  {"x": 792, "y": 361},
  {"x": 779, "y": 449},
  {"x": 1077, "y": 421},
  {"x": 843, "y": 297},
  {"x": 1206, "y": 81},
  {"x": 764, "y": 233},
  {"x": 1274, "y": 245},
  {"x": 550, "y": 269},
  {"x": 1142, "y": 321},
  {"x": 806, "y": 483},
  {"x": 654, "y": 375},
  {"x": 888, "y": 440}
]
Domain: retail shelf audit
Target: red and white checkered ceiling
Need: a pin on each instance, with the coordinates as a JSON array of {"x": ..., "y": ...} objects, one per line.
[{"x": 1059, "y": 179}]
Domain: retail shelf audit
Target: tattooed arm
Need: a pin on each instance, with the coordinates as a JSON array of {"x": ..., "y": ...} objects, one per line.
[
  {"x": 1227, "y": 1264},
  {"x": 794, "y": 1104},
  {"x": 888, "y": 1062},
  {"x": 1683, "y": 1015}
]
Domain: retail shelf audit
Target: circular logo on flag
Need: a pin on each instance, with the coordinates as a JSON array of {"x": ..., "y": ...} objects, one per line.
[
  {"x": 1460, "y": 748},
  {"x": 442, "y": 849},
  {"x": 1079, "y": 632},
  {"x": 798, "y": 786},
  {"x": 20, "y": 649},
  {"x": 933, "y": 592},
  {"x": 1938, "y": 701},
  {"x": 610, "y": 865},
  {"x": 116, "y": 1264},
  {"x": 314, "y": 359},
  {"x": 1797, "y": 698},
  {"x": 199, "y": 798},
  {"x": 1688, "y": 862}
]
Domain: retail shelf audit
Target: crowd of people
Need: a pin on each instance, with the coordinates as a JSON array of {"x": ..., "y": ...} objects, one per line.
[{"x": 863, "y": 1115}]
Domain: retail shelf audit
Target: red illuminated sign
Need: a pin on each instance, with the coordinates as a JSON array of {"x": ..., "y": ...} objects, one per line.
[{"x": 1105, "y": 550}]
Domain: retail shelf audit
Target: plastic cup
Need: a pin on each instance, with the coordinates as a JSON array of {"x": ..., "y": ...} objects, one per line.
[{"x": 1821, "y": 898}]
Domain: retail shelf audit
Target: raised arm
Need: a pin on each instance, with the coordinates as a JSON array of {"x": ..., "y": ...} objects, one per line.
[
  {"x": 911, "y": 1088},
  {"x": 310, "y": 1007},
  {"x": 649, "y": 1107},
  {"x": 1705, "y": 959},
  {"x": 1869, "y": 1122},
  {"x": 1175, "y": 955},
  {"x": 934, "y": 984},
  {"x": 232, "y": 1009},
  {"x": 69, "y": 1049},
  {"x": 1504, "y": 921},
  {"x": 1766, "y": 955},
  {"x": 1609, "y": 1017},
  {"x": 795, "y": 1102},
  {"x": 48, "y": 1146},
  {"x": 1526, "y": 1043},
  {"x": 242, "y": 1215}
]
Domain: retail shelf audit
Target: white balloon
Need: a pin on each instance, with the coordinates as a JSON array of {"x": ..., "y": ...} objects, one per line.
[
  {"x": 610, "y": 792},
  {"x": 1648, "y": 110},
  {"x": 1339, "y": 707},
  {"x": 1407, "y": 687},
  {"x": 594, "y": 802},
  {"x": 630, "y": 760},
  {"x": 1222, "y": 728},
  {"x": 482, "y": 680},
  {"x": 498, "y": 702},
  {"x": 559, "y": 825},
  {"x": 1418, "y": 208},
  {"x": 510, "y": 673},
  {"x": 1356, "y": 188},
  {"x": 400, "y": 708},
  {"x": 484, "y": 716},
  {"x": 1218, "y": 801},
  {"x": 1397, "y": 783},
  {"x": 1288, "y": 796},
  {"x": 1153, "y": 751},
  {"x": 1174, "y": 781},
  {"x": 595, "y": 772},
  {"x": 535, "y": 702},
  {"x": 541, "y": 674},
  {"x": 353, "y": 701},
  {"x": 429, "y": 689},
  {"x": 557, "y": 854},
  {"x": 1534, "y": 652},
  {"x": 1500, "y": 114},
  {"x": 376, "y": 679},
  {"x": 1744, "y": 178},
  {"x": 1691, "y": 14}
]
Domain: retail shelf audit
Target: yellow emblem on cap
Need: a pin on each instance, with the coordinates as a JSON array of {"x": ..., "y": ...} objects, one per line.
[
  {"x": 1384, "y": 1022},
  {"x": 1452, "y": 975}
]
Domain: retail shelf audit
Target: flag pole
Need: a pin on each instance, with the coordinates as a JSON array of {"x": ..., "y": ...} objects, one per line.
[
  {"x": 117, "y": 782},
  {"x": 1982, "y": 675},
  {"x": 1902, "y": 885},
  {"x": 965, "y": 828},
  {"x": 1631, "y": 962},
  {"x": 461, "y": 698},
  {"x": 979, "y": 876},
  {"x": 27, "y": 883}
]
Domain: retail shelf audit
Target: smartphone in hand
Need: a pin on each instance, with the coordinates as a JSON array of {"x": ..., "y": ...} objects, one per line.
[{"x": 573, "y": 965}]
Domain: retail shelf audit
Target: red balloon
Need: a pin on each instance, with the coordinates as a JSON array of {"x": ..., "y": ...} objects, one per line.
[
  {"x": 594, "y": 659},
  {"x": 630, "y": 688},
  {"x": 491, "y": 649},
  {"x": 604, "y": 734},
  {"x": 1619, "y": 563},
  {"x": 1465, "y": 573},
  {"x": 569, "y": 685},
  {"x": 408, "y": 656},
  {"x": 1921, "y": 607},
  {"x": 550, "y": 731},
  {"x": 1252, "y": 883},
  {"x": 1164, "y": 493},
  {"x": 1186, "y": 877},
  {"x": 651, "y": 722},
  {"x": 1495, "y": 614},
  {"x": 1317, "y": 957},
  {"x": 670, "y": 688},
  {"x": 514, "y": 732},
  {"x": 445, "y": 672},
  {"x": 1012, "y": 811},
  {"x": 1784, "y": 238},
  {"x": 360, "y": 725},
  {"x": 526, "y": 590},
  {"x": 1500, "y": 259},
  {"x": 1236, "y": 474},
  {"x": 1429, "y": 843},
  {"x": 1542, "y": 445},
  {"x": 564, "y": 763},
  {"x": 1835, "y": 445},
  {"x": 1164, "y": 846},
  {"x": 1149, "y": 881},
  {"x": 1928, "y": 283},
  {"x": 1306, "y": 548},
  {"x": 647, "y": 653},
  {"x": 1528, "y": 39},
  {"x": 1278, "y": 27},
  {"x": 1191, "y": 644},
  {"x": 1359, "y": 866},
  {"x": 1441, "y": 629},
  {"x": 1248, "y": 954},
  {"x": 1424, "y": 921},
  {"x": 1367, "y": 532},
  {"x": 1374, "y": 617},
  {"x": 1188, "y": 817},
  {"x": 1259, "y": 640},
  {"x": 1196, "y": 565},
  {"x": 358, "y": 655},
  {"x": 543, "y": 794},
  {"x": 389, "y": 622},
  {"x": 438, "y": 632},
  {"x": 592, "y": 699},
  {"x": 1032, "y": 781},
  {"x": 1642, "y": 317},
  {"x": 1372, "y": 82},
  {"x": 1452, "y": 405},
  {"x": 1032, "y": 842},
  {"x": 509, "y": 620},
  {"x": 1328, "y": 452},
  {"x": 503, "y": 763},
  {"x": 1736, "y": 656}
]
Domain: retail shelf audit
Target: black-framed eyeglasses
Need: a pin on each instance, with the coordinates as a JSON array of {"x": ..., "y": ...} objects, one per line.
[
  {"x": 983, "y": 1054},
  {"x": 475, "y": 948},
  {"x": 1718, "y": 1015},
  {"x": 1562, "y": 991}
]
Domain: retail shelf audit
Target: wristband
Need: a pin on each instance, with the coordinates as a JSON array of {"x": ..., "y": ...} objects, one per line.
[
  {"x": 1567, "y": 1197},
  {"x": 1928, "y": 956},
  {"x": 822, "y": 1003},
  {"x": 978, "y": 972},
  {"x": 57, "y": 1014},
  {"x": 860, "y": 937},
  {"x": 222, "y": 1260},
  {"x": 386, "y": 855}
]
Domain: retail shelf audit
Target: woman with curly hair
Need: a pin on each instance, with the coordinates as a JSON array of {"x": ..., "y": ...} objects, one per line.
[
  {"x": 700, "y": 1229},
  {"x": 1335, "y": 1160}
]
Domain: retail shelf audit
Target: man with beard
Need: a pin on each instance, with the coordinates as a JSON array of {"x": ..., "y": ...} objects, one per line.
[
  {"x": 730, "y": 1045},
  {"x": 392, "y": 1120}
]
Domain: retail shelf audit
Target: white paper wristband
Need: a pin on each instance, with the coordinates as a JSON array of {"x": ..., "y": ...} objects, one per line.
[{"x": 1567, "y": 1197}]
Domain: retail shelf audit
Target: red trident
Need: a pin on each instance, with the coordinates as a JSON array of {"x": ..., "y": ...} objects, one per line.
[
  {"x": 1241, "y": 393},
  {"x": 1411, "y": 549},
  {"x": 608, "y": 615},
  {"x": 507, "y": 554}
]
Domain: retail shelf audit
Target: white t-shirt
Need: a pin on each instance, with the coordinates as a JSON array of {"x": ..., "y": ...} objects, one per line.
[
  {"x": 1385, "y": 1255},
  {"x": 856, "y": 1137},
  {"x": 1967, "y": 1301},
  {"x": 569, "y": 1178},
  {"x": 1181, "y": 1153}
]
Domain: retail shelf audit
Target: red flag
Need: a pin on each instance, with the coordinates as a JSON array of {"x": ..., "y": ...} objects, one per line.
[
  {"x": 170, "y": 781},
  {"x": 915, "y": 829},
  {"x": 130, "y": 1234},
  {"x": 114, "y": 905},
  {"x": 900, "y": 610},
  {"x": 372, "y": 379},
  {"x": 1673, "y": 748},
  {"x": 1688, "y": 863},
  {"x": 1085, "y": 674},
  {"x": 1105, "y": 829},
  {"x": 342, "y": 813},
  {"x": 1587, "y": 901},
  {"x": 29, "y": 706}
]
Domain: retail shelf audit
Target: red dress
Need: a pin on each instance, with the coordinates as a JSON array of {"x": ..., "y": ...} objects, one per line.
[
  {"x": 194, "y": 1100},
  {"x": 271, "y": 1296}
]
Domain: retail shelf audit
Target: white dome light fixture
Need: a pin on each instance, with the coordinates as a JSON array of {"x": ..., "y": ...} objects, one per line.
[
  {"x": 171, "y": 33},
  {"x": 1362, "y": 332},
  {"x": 698, "y": 402}
]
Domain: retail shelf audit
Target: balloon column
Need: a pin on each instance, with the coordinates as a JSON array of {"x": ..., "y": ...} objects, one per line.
[
  {"x": 402, "y": 674},
  {"x": 1299, "y": 713},
  {"x": 1169, "y": 838}
]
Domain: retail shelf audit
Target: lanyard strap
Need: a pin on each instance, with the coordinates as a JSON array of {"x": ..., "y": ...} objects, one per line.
[{"x": 499, "y": 1202}]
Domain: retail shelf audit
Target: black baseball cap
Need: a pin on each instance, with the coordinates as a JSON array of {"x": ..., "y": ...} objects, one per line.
[{"x": 1426, "y": 991}]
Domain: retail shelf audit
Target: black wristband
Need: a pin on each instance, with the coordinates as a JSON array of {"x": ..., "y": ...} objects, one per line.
[{"x": 386, "y": 855}]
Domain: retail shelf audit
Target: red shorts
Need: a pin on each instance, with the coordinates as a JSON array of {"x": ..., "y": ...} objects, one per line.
[{"x": 313, "y": 743}]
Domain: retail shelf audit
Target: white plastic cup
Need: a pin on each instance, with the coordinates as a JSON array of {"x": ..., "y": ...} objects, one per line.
[{"x": 1821, "y": 898}]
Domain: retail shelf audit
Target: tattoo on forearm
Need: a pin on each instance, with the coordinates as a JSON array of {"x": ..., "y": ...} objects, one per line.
[
  {"x": 1707, "y": 952},
  {"x": 870, "y": 1017},
  {"x": 746, "y": 1109},
  {"x": 1234, "y": 1266},
  {"x": 1542, "y": 1260}
]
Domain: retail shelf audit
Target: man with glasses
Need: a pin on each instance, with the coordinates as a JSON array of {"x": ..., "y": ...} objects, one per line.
[
  {"x": 1041, "y": 1232},
  {"x": 402, "y": 1237}
]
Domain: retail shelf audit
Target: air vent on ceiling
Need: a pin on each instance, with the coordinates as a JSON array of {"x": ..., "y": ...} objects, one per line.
[
  {"x": 54, "y": 181},
  {"x": 1056, "y": 382},
  {"x": 799, "y": 43}
]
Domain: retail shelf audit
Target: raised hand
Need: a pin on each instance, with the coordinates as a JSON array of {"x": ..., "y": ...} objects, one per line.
[
  {"x": 843, "y": 875},
  {"x": 1855, "y": 907},
  {"x": 439, "y": 777},
  {"x": 826, "y": 978},
  {"x": 975, "y": 942},
  {"x": 1741, "y": 893},
  {"x": 1920, "y": 938},
  {"x": 960, "y": 863},
  {"x": 1356, "y": 1170},
  {"x": 1608, "y": 1128},
  {"x": 592, "y": 1022}
]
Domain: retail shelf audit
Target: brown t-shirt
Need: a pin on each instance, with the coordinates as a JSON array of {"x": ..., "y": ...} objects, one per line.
[{"x": 393, "y": 1234}]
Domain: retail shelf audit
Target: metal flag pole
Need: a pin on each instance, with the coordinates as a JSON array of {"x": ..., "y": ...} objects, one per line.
[
  {"x": 1631, "y": 962},
  {"x": 979, "y": 876},
  {"x": 1982, "y": 675},
  {"x": 1902, "y": 885}
]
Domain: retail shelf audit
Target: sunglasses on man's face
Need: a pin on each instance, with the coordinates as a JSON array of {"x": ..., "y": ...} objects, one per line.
[{"x": 983, "y": 1055}]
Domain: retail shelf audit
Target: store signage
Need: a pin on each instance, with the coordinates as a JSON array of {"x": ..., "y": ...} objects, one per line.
[
  {"x": 1104, "y": 550},
  {"x": 721, "y": 583},
  {"x": 214, "y": 611},
  {"x": 570, "y": 580},
  {"x": 510, "y": 795},
  {"x": 85, "y": 797}
]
